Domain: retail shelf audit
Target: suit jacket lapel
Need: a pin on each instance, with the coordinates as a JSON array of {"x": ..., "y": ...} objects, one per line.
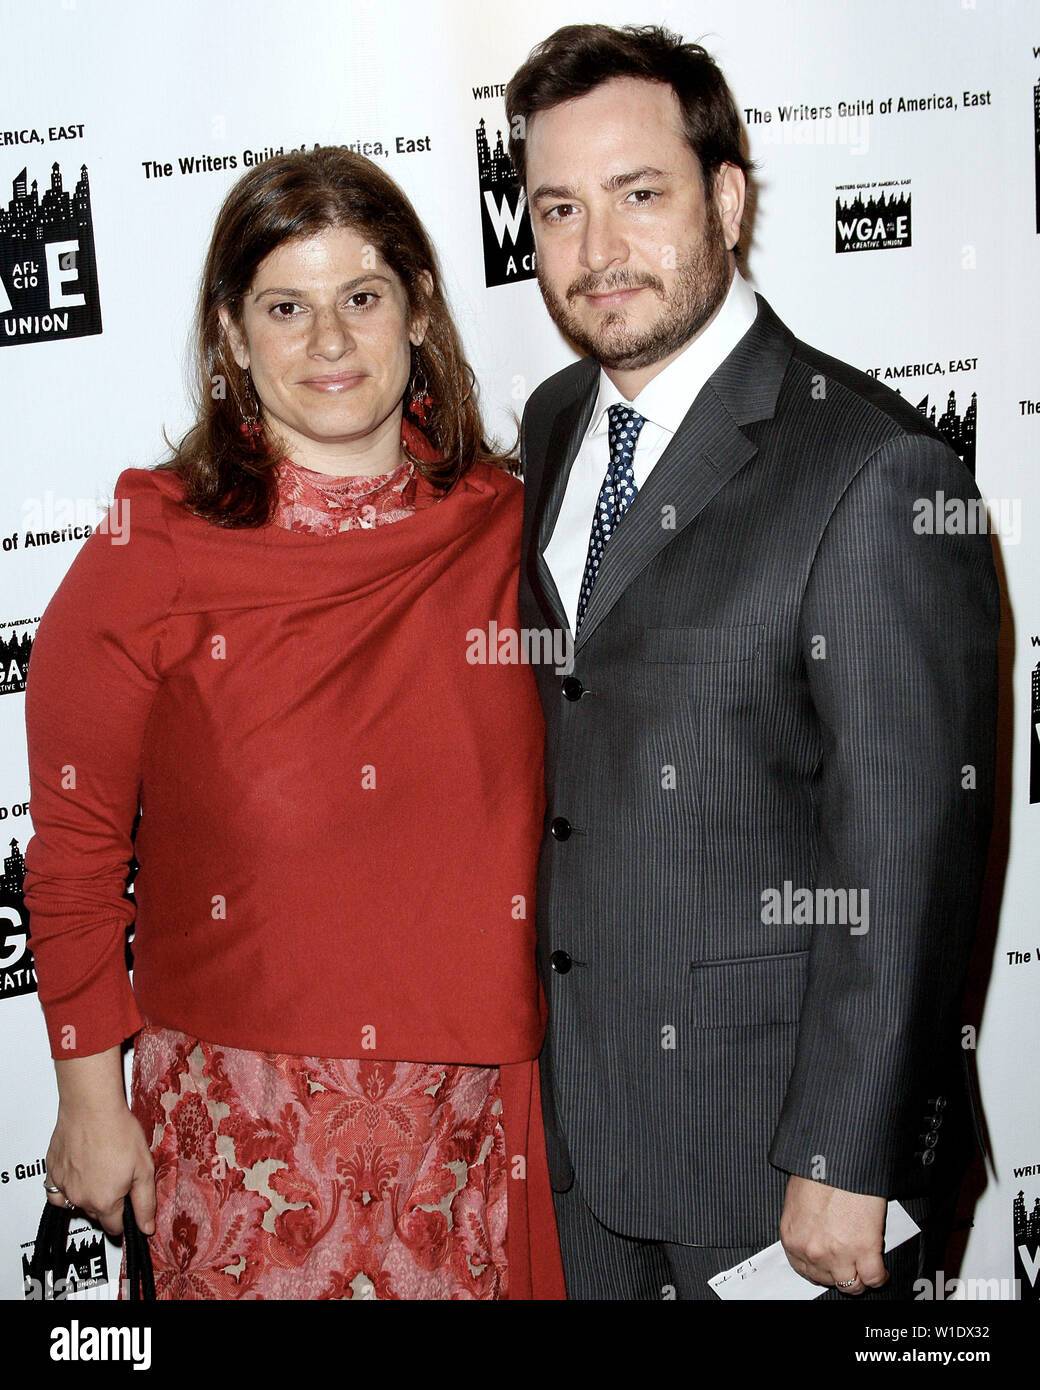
[
  {"x": 564, "y": 442},
  {"x": 707, "y": 450},
  {"x": 703, "y": 455}
]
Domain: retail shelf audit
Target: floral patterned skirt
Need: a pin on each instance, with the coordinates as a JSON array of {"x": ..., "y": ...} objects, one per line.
[{"x": 317, "y": 1178}]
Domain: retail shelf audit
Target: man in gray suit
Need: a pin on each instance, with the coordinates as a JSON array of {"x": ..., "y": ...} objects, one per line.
[{"x": 769, "y": 771}]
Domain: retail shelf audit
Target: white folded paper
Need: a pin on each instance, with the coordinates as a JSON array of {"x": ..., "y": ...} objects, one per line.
[{"x": 768, "y": 1275}]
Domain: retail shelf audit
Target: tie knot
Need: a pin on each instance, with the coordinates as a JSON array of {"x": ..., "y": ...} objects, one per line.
[
  {"x": 623, "y": 426},
  {"x": 623, "y": 420}
]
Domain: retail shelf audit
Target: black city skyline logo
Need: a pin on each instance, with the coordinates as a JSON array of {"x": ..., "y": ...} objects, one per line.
[
  {"x": 14, "y": 662},
  {"x": 17, "y": 969},
  {"x": 1027, "y": 1248},
  {"x": 881, "y": 223},
  {"x": 505, "y": 222},
  {"x": 48, "y": 271},
  {"x": 958, "y": 430}
]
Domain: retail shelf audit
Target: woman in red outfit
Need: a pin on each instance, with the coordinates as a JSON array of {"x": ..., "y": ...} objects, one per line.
[{"x": 334, "y": 1002}]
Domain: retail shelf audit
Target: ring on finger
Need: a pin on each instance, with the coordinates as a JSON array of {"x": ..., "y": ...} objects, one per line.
[
  {"x": 50, "y": 1187},
  {"x": 846, "y": 1283}
]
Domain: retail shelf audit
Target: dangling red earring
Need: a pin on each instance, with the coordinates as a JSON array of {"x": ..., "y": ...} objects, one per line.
[
  {"x": 251, "y": 426},
  {"x": 420, "y": 401}
]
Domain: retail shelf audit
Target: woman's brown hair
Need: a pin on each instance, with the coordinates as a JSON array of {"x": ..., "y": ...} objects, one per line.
[{"x": 229, "y": 472}]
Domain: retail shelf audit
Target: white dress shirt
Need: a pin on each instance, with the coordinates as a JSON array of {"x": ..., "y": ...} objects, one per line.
[{"x": 663, "y": 403}]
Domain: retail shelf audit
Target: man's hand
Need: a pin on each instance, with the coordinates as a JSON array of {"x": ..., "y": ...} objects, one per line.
[{"x": 831, "y": 1236}]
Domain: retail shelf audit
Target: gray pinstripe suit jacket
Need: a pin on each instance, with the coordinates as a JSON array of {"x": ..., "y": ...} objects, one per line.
[{"x": 717, "y": 748}]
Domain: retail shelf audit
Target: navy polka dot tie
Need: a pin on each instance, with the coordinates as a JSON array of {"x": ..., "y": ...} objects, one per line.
[{"x": 616, "y": 495}]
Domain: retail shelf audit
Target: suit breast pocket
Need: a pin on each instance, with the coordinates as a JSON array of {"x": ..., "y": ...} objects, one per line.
[{"x": 709, "y": 646}]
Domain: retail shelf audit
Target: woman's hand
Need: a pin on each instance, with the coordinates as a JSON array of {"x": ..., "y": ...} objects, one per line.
[{"x": 98, "y": 1152}]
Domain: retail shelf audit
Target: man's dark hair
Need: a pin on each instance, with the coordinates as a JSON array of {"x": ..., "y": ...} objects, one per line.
[{"x": 578, "y": 57}]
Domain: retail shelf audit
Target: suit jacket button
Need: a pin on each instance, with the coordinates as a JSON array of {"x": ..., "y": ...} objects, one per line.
[
  {"x": 572, "y": 688},
  {"x": 560, "y": 962},
  {"x": 939, "y": 1103},
  {"x": 928, "y": 1156},
  {"x": 560, "y": 828}
]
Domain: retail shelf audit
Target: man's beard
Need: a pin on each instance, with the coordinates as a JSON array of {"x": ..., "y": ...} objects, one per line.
[{"x": 701, "y": 282}]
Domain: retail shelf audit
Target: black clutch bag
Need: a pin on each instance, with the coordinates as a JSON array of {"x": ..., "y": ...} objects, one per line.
[{"x": 49, "y": 1252}]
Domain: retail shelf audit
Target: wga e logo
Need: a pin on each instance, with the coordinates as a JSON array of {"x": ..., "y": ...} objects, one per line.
[
  {"x": 875, "y": 218},
  {"x": 84, "y": 1265},
  {"x": 505, "y": 223},
  {"x": 48, "y": 274},
  {"x": 17, "y": 968}
]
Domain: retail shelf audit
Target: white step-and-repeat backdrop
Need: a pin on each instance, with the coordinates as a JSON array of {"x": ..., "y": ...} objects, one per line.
[{"x": 897, "y": 226}]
